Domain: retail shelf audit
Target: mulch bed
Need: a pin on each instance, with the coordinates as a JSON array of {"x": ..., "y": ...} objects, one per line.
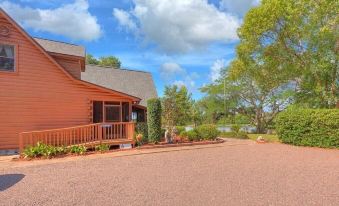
[
  {"x": 180, "y": 144},
  {"x": 146, "y": 146}
]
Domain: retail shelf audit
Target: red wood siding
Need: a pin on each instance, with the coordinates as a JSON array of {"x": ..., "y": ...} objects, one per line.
[
  {"x": 71, "y": 65},
  {"x": 40, "y": 95}
]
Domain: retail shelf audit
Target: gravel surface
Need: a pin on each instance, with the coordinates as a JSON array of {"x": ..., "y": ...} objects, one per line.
[{"x": 251, "y": 174}]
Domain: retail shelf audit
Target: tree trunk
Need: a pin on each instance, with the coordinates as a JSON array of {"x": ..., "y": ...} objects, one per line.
[{"x": 259, "y": 121}]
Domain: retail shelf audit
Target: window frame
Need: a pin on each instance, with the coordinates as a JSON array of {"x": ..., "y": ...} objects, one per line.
[{"x": 16, "y": 54}]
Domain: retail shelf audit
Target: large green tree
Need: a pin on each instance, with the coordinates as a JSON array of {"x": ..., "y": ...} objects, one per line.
[
  {"x": 246, "y": 90},
  {"x": 298, "y": 37}
]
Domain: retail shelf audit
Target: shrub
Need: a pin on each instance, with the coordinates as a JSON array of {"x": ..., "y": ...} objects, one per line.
[
  {"x": 241, "y": 135},
  {"x": 43, "y": 150},
  {"x": 139, "y": 139},
  {"x": 309, "y": 127},
  {"x": 154, "y": 120},
  {"x": 78, "y": 149},
  {"x": 191, "y": 135},
  {"x": 180, "y": 129},
  {"x": 207, "y": 132},
  {"x": 142, "y": 128},
  {"x": 102, "y": 147},
  {"x": 235, "y": 128}
]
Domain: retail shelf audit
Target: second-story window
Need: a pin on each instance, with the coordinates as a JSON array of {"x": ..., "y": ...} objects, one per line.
[{"x": 7, "y": 57}]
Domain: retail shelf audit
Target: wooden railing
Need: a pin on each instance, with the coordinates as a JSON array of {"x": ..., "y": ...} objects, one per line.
[{"x": 85, "y": 134}]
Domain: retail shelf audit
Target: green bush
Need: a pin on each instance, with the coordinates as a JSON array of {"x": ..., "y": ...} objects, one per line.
[
  {"x": 142, "y": 128},
  {"x": 180, "y": 129},
  {"x": 191, "y": 135},
  {"x": 78, "y": 149},
  {"x": 102, "y": 147},
  {"x": 207, "y": 132},
  {"x": 235, "y": 128},
  {"x": 241, "y": 135},
  {"x": 154, "y": 120},
  {"x": 43, "y": 150},
  {"x": 309, "y": 127}
]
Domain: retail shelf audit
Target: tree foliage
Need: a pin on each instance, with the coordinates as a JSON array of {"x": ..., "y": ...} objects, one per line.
[
  {"x": 90, "y": 59},
  {"x": 299, "y": 37},
  {"x": 154, "y": 119},
  {"x": 177, "y": 106},
  {"x": 288, "y": 53},
  {"x": 109, "y": 61}
]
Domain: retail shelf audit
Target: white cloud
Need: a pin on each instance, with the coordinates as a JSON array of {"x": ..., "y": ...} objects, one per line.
[
  {"x": 170, "y": 70},
  {"x": 216, "y": 68},
  {"x": 179, "y": 26},
  {"x": 124, "y": 18},
  {"x": 179, "y": 83},
  {"x": 238, "y": 7},
  {"x": 188, "y": 82},
  {"x": 72, "y": 20},
  {"x": 173, "y": 73}
]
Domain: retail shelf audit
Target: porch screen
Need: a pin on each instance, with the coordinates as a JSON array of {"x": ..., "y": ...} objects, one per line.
[
  {"x": 97, "y": 112},
  {"x": 125, "y": 111},
  {"x": 112, "y": 113}
]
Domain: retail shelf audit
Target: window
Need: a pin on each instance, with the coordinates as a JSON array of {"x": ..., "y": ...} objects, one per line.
[{"x": 7, "y": 57}]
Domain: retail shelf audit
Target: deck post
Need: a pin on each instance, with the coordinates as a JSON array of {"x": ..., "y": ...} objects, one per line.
[
  {"x": 21, "y": 144},
  {"x": 100, "y": 133},
  {"x": 130, "y": 130}
]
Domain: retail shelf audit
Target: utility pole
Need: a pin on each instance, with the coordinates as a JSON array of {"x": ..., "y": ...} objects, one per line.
[{"x": 225, "y": 101}]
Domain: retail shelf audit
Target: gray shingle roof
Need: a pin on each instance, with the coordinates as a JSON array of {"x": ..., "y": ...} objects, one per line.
[
  {"x": 135, "y": 83},
  {"x": 61, "y": 47}
]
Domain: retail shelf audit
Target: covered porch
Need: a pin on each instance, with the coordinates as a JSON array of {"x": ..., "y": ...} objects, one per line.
[
  {"x": 111, "y": 123},
  {"x": 89, "y": 135}
]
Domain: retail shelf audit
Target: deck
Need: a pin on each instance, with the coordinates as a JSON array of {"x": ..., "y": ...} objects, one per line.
[{"x": 88, "y": 135}]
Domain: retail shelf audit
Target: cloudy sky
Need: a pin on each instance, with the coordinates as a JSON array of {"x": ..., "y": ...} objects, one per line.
[{"x": 183, "y": 42}]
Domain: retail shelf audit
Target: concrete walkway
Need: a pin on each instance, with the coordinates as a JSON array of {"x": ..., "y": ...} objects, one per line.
[{"x": 238, "y": 172}]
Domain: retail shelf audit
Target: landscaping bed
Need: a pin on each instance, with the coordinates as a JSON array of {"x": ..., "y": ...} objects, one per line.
[
  {"x": 42, "y": 151},
  {"x": 180, "y": 144}
]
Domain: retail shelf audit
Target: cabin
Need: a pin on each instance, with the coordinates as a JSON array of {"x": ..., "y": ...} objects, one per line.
[{"x": 47, "y": 95}]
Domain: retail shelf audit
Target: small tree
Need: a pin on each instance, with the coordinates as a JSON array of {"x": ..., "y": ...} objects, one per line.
[
  {"x": 154, "y": 119},
  {"x": 169, "y": 112}
]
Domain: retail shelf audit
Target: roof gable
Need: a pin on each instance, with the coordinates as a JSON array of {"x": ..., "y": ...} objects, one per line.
[{"x": 44, "y": 52}]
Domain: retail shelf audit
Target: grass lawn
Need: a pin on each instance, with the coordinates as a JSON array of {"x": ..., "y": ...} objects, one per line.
[{"x": 267, "y": 137}]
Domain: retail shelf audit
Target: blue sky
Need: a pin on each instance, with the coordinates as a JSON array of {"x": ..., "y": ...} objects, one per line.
[{"x": 183, "y": 42}]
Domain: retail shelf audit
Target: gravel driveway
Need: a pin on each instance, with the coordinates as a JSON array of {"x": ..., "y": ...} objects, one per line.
[{"x": 245, "y": 174}]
